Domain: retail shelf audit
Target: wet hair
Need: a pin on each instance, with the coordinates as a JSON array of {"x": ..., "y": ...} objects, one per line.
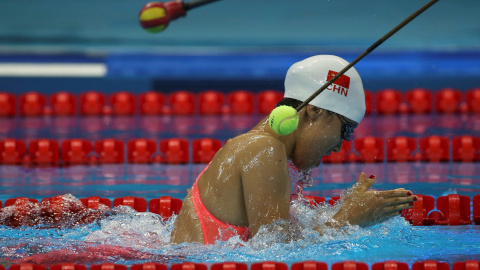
[
  {"x": 289, "y": 102},
  {"x": 295, "y": 103}
]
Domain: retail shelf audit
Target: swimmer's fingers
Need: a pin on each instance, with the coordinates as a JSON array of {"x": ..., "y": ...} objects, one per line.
[
  {"x": 394, "y": 209},
  {"x": 394, "y": 193},
  {"x": 398, "y": 201},
  {"x": 364, "y": 183}
]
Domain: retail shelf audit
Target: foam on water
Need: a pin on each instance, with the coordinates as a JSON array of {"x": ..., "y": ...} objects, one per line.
[{"x": 125, "y": 236}]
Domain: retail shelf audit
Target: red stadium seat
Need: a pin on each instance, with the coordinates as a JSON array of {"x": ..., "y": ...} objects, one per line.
[
  {"x": 418, "y": 214},
  {"x": 466, "y": 148},
  {"x": 63, "y": 103},
  {"x": 448, "y": 100},
  {"x": 349, "y": 265},
  {"x": 368, "y": 102},
  {"x": 110, "y": 151},
  {"x": 108, "y": 266},
  {"x": 475, "y": 214},
  {"x": 466, "y": 265},
  {"x": 7, "y": 104},
  {"x": 68, "y": 266},
  {"x": 340, "y": 156},
  {"x": 19, "y": 200},
  {"x": 267, "y": 100},
  {"x": 390, "y": 265},
  {"x": 389, "y": 101},
  {"x": 123, "y": 103},
  {"x": 141, "y": 150},
  {"x": 149, "y": 266},
  {"x": 139, "y": 204},
  {"x": 430, "y": 265},
  {"x": 27, "y": 266},
  {"x": 455, "y": 209},
  {"x": 12, "y": 151},
  {"x": 75, "y": 151},
  {"x": 182, "y": 102},
  {"x": 211, "y": 102},
  {"x": 434, "y": 148},
  {"x": 32, "y": 104},
  {"x": 240, "y": 102},
  {"x": 419, "y": 100},
  {"x": 92, "y": 103},
  {"x": 94, "y": 202},
  {"x": 269, "y": 266},
  {"x": 370, "y": 149},
  {"x": 44, "y": 151},
  {"x": 188, "y": 266},
  {"x": 309, "y": 265},
  {"x": 204, "y": 149},
  {"x": 165, "y": 206},
  {"x": 473, "y": 100},
  {"x": 175, "y": 150},
  {"x": 400, "y": 149},
  {"x": 151, "y": 103},
  {"x": 229, "y": 266}
]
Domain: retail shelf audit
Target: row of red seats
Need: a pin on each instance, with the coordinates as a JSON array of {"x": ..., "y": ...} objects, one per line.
[
  {"x": 388, "y": 101},
  {"x": 176, "y": 151},
  {"x": 453, "y": 209},
  {"x": 107, "y": 151},
  {"x": 267, "y": 265},
  {"x": 164, "y": 206},
  {"x": 149, "y": 103},
  {"x": 420, "y": 101},
  {"x": 402, "y": 149}
]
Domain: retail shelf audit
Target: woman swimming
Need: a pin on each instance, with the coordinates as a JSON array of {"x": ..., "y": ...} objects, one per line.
[{"x": 247, "y": 184}]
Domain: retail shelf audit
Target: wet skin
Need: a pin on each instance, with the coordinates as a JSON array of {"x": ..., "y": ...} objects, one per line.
[{"x": 247, "y": 183}]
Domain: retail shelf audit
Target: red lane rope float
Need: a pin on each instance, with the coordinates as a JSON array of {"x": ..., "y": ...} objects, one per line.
[
  {"x": 68, "y": 211},
  {"x": 46, "y": 152},
  {"x": 390, "y": 265},
  {"x": 384, "y": 102}
]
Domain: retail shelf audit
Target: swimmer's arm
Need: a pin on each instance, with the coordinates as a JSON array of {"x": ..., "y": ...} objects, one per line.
[{"x": 266, "y": 184}]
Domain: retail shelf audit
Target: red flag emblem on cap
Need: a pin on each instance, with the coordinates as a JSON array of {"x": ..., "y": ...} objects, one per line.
[{"x": 343, "y": 81}]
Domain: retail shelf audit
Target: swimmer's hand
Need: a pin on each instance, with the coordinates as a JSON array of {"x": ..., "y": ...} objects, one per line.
[{"x": 365, "y": 207}]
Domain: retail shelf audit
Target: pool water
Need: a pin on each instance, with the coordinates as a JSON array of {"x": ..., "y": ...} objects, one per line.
[{"x": 127, "y": 237}]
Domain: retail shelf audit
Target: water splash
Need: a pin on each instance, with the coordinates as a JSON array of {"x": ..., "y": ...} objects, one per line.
[{"x": 122, "y": 235}]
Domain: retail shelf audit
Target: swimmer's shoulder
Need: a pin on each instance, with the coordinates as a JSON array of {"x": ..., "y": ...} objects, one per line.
[
  {"x": 255, "y": 144},
  {"x": 254, "y": 139}
]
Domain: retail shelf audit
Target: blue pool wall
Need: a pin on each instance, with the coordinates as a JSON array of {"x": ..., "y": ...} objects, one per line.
[{"x": 244, "y": 44}]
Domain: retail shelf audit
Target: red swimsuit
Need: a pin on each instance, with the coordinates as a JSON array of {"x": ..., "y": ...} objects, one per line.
[{"x": 213, "y": 228}]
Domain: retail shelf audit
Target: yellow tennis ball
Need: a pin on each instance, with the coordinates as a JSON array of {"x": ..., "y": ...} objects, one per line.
[
  {"x": 154, "y": 17},
  {"x": 283, "y": 120}
]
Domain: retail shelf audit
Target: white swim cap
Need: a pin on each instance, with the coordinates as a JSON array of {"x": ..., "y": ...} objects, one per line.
[{"x": 345, "y": 96}]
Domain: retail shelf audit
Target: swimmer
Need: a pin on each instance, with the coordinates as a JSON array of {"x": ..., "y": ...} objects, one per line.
[{"x": 247, "y": 184}]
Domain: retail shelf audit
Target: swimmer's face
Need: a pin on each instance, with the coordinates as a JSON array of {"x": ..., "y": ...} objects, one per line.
[{"x": 320, "y": 134}]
